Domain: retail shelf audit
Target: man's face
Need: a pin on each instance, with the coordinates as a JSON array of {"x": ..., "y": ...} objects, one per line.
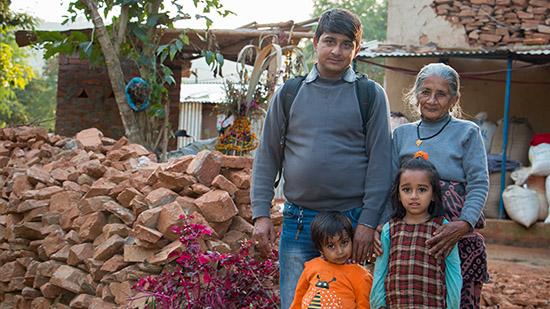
[{"x": 335, "y": 52}]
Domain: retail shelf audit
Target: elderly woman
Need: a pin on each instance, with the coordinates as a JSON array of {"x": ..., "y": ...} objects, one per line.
[{"x": 456, "y": 149}]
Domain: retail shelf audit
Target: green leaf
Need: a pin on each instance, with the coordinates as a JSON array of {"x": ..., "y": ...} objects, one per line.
[
  {"x": 78, "y": 36},
  {"x": 161, "y": 48},
  {"x": 153, "y": 20},
  {"x": 173, "y": 52},
  {"x": 179, "y": 45},
  {"x": 209, "y": 57},
  {"x": 163, "y": 56},
  {"x": 157, "y": 110},
  {"x": 184, "y": 39},
  {"x": 200, "y": 37},
  {"x": 146, "y": 61},
  {"x": 219, "y": 58},
  {"x": 166, "y": 70},
  {"x": 170, "y": 79},
  {"x": 141, "y": 33}
]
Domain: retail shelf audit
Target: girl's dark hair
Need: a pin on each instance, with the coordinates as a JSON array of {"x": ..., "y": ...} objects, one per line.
[
  {"x": 436, "y": 208},
  {"x": 328, "y": 224},
  {"x": 340, "y": 21}
]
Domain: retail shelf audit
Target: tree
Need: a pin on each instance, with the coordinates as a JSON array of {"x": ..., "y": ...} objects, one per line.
[
  {"x": 14, "y": 74},
  {"x": 35, "y": 105},
  {"x": 134, "y": 34},
  {"x": 373, "y": 15}
]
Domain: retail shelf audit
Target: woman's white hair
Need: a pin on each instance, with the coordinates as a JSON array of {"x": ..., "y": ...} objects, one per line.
[{"x": 441, "y": 70}]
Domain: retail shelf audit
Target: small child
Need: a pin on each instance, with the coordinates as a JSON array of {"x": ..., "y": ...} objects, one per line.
[
  {"x": 405, "y": 275},
  {"x": 331, "y": 281}
]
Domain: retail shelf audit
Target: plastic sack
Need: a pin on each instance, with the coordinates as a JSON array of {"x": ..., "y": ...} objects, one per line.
[
  {"x": 521, "y": 175},
  {"x": 492, "y": 204},
  {"x": 539, "y": 156},
  {"x": 522, "y": 204},
  {"x": 538, "y": 183},
  {"x": 519, "y": 136},
  {"x": 137, "y": 94},
  {"x": 487, "y": 129}
]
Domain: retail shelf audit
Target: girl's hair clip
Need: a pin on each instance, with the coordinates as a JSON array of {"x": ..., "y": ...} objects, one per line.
[{"x": 421, "y": 154}]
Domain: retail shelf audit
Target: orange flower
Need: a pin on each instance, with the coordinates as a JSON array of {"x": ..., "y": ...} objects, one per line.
[{"x": 421, "y": 154}]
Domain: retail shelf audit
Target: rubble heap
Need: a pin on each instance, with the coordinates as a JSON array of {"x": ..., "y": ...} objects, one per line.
[
  {"x": 81, "y": 219},
  {"x": 499, "y": 22}
]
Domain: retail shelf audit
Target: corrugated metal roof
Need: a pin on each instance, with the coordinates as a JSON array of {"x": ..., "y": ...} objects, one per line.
[
  {"x": 205, "y": 93},
  {"x": 525, "y": 53}
]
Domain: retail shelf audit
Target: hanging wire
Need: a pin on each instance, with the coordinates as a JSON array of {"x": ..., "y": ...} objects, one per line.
[{"x": 471, "y": 75}]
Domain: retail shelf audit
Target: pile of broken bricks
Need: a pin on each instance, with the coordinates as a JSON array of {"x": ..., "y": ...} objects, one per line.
[{"x": 83, "y": 218}]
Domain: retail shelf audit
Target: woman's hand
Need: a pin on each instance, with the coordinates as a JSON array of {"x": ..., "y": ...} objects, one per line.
[
  {"x": 378, "y": 251},
  {"x": 446, "y": 236}
]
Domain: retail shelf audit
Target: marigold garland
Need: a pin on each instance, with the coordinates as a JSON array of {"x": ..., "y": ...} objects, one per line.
[{"x": 237, "y": 139}]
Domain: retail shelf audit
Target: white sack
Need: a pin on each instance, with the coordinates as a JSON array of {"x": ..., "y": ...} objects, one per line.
[
  {"x": 521, "y": 204},
  {"x": 487, "y": 129},
  {"x": 539, "y": 156}
]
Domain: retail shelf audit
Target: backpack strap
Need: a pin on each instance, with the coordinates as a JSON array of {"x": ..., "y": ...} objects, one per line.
[
  {"x": 366, "y": 94},
  {"x": 288, "y": 94}
]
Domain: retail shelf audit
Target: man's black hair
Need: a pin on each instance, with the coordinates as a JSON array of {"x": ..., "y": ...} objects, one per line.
[
  {"x": 340, "y": 21},
  {"x": 328, "y": 224}
]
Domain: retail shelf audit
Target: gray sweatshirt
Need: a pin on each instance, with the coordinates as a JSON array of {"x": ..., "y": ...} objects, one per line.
[
  {"x": 457, "y": 153},
  {"x": 329, "y": 164}
]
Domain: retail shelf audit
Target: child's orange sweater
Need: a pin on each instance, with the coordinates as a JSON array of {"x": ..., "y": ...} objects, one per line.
[{"x": 333, "y": 286}]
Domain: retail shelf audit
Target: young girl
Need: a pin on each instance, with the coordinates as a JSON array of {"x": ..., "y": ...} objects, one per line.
[
  {"x": 405, "y": 275},
  {"x": 331, "y": 281}
]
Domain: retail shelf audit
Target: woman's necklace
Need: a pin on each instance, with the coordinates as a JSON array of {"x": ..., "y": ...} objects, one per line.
[{"x": 420, "y": 139}]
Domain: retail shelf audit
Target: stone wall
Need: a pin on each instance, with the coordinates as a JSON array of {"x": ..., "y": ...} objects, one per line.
[
  {"x": 81, "y": 219},
  {"x": 499, "y": 22}
]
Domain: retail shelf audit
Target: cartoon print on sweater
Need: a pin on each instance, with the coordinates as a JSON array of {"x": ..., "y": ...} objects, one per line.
[{"x": 322, "y": 297}]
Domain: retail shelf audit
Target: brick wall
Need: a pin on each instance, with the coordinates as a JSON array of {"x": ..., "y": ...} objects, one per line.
[{"x": 85, "y": 98}]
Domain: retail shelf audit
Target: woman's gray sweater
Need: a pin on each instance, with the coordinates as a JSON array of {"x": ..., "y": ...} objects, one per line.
[{"x": 457, "y": 152}]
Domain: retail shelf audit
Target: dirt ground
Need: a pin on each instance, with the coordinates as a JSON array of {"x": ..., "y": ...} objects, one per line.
[{"x": 520, "y": 277}]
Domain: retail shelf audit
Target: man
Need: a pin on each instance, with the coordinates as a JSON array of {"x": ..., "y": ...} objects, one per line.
[{"x": 329, "y": 162}]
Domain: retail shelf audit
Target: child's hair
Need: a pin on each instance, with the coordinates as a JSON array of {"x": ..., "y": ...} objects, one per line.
[
  {"x": 328, "y": 224},
  {"x": 418, "y": 164},
  {"x": 340, "y": 21}
]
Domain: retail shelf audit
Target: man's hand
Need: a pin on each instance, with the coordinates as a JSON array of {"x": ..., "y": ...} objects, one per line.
[
  {"x": 264, "y": 235},
  {"x": 446, "y": 236},
  {"x": 363, "y": 239}
]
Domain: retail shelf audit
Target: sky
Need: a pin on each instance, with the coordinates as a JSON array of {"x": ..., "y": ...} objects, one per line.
[
  {"x": 260, "y": 11},
  {"x": 247, "y": 11}
]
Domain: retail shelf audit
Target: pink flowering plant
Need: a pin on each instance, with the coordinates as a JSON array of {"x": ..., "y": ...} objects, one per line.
[{"x": 208, "y": 279}]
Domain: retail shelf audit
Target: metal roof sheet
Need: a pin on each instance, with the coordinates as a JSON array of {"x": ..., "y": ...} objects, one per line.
[
  {"x": 205, "y": 93},
  {"x": 525, "y": 53}
]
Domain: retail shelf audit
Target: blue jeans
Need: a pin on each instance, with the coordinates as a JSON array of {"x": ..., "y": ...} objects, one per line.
[{"x": 295, "y": 251}]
